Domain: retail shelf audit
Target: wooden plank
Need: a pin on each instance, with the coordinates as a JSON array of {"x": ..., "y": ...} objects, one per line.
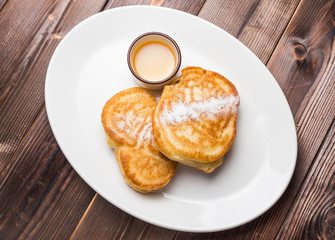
[
  {"x": 104, "y": 221},
  {"x": 312, "y": 27},
  {"x": 41, "y": 196},
  {"x": 25, "y": 51},
  {"x": 258, "y": 24},
  {"x": 312, "y": 215},
  {"x": 2, "y": 4},
  {"x": 305, "y": 53},
  {"x": 20, "y": 21},
  {"x": 192, "y": 7}
]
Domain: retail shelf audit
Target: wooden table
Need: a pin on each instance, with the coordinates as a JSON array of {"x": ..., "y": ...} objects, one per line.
[{"x": 42, "y": 197}]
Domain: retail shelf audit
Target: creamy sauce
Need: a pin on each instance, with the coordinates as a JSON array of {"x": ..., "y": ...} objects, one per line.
[{"x": 154, "y": 61}]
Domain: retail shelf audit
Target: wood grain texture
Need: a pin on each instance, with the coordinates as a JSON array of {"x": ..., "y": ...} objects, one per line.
[
  {"x": 305, "y": 53},
  {"x": 26, "y": 50},
  {"x": 258, "y": 24},
  {"x": 40, "y": 194},
  {"x": 2, "y": 4},
  {"x": 192, "y": 7},
  {"x": 20, "y": 22},
  {"x": 104, "y": 221},
  {"x": 313, "y": 212}
]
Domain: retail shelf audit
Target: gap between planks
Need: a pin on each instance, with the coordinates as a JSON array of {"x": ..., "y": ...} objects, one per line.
[
  {"x": 3, "y": 5},
  {"x": 287, "y": 25},
  {"x": 106, "y": 5},
  {"x": 83, "y": 217}
]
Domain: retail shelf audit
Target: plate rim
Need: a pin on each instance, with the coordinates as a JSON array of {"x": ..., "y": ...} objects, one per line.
[{"x": 124, "y": 207}]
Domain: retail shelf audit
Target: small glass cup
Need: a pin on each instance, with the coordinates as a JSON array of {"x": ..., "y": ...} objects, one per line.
[{"x": 153, "y": 37}]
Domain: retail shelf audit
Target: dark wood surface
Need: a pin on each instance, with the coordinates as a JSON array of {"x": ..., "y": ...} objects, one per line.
[{"x": 42, "y": 197}]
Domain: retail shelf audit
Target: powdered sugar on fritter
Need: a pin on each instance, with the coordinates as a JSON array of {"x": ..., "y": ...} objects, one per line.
[
  {"x": 211, "y": 107},
  {"x": 146, "y": 133},
  {"x": 132, "y": 126}
]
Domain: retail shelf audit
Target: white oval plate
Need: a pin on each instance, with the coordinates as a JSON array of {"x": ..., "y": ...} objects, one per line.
[{"x": 90, "y": 65}]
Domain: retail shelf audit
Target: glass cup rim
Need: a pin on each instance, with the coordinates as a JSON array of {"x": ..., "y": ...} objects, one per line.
[{"x": 178, "y": 57}]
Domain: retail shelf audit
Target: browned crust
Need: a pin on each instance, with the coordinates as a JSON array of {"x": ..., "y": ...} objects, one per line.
[
  {"x": 199, "y": 160},
  {"x": 130, "y": 153}
]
